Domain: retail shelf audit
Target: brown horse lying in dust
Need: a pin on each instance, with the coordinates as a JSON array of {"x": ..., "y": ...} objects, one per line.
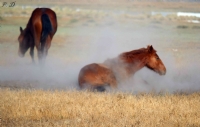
[
  {"x": 96, "y": 76},
  {"x": 39, "y": 32}
]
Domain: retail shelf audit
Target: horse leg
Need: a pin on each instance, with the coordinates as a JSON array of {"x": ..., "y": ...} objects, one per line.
[
  {"x": 44, "y": 48},
  {"x": 39, "y": 53},
  {"x": 37, "y": 28},
  {"x": 42, "y": 55},
  {"x": 32, "y": 54},
  {"x": 99, "y": 88},
  {"x": 48, "y": 44}
]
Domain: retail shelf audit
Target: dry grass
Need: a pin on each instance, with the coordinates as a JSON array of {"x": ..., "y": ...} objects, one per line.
[{"x": 75, "y": 108}]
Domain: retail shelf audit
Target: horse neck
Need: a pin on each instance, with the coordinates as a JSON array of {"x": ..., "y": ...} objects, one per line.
[
  {"x": 136, "y": 63},
  {"x": 29, "y": 35},
  {"x": 27, "y": 30}
]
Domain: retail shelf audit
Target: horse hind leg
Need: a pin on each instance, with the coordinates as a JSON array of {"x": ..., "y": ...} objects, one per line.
[
  {"x": 43, "y": 50},
  {"x": 45, "y": 37},
  {"x": 99, "y": 89},
  {"x": 92, "y": 87}
]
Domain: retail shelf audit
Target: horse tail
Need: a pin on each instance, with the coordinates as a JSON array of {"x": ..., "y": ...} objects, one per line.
[{"x": 46, "y": 29}]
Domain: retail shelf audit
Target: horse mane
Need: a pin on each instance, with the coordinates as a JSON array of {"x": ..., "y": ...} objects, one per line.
[{"x": 136, "y": 55}]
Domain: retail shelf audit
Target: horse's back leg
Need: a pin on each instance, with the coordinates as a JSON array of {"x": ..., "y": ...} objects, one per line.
[
  {"x": 100, "y": 88},
  {"x": 37, "y": 31},
  {"x": 44, "y": 48}
]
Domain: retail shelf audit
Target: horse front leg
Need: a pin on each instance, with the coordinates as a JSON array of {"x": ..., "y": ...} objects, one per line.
[{"x": 32, "y": 54}]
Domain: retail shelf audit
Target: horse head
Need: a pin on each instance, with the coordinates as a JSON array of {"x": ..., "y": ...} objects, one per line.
[
  {"x": 24, "y": 41},
  {"x": 153, "y": 61}
]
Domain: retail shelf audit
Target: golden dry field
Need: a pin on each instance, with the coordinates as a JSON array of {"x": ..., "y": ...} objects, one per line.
[
  {"x": 93, "y": 31},
  {"x": 22, "y": 108}
]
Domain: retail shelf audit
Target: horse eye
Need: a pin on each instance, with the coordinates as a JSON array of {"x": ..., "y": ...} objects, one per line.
[{"x": 157, "y": 58}]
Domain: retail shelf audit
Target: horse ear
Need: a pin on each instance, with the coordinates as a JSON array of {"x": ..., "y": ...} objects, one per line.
[
  {"x": 150, "y": 48},
  {"x": 21, "y": 30}
]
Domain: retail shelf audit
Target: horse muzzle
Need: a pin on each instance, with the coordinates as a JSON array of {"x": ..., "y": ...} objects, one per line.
[
  {"x": 20, "y": 54},
  {"x": 163, "y": 72}
]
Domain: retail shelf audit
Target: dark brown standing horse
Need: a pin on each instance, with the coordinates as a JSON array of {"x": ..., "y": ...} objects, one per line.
[
  {"x": 39, "y": 32},
  {"x": 112, "y": 71}
]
